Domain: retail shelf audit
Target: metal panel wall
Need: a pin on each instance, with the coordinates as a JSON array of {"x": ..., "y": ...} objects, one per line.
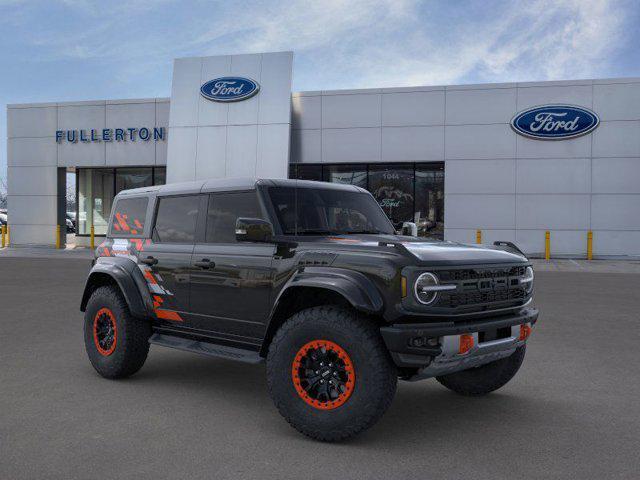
[
  {"x": 36, "y": 161},
  {"x": 245, "y": 138},
  {"x": 511, "y": 187}
]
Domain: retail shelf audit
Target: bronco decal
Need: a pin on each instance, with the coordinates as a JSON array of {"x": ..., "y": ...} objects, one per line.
[{"x": 131, "y": 248}]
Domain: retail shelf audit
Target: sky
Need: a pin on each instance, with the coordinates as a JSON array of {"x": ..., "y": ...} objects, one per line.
[{"x": 85, "y": 50}]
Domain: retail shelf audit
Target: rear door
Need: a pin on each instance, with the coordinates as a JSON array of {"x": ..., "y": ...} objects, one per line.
[
  {"x": 231, "y": 281},
  {"x": 167, "y": 260}
]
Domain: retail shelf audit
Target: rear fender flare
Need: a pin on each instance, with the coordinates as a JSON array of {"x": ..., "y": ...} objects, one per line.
[{"x": 128, "y": 276}]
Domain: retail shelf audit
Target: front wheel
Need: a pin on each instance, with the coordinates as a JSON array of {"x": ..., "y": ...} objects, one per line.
[
  {"x": 486, "y": 378},
  {"x": 329, "y": 373},
  {"x": 117, "y": 343}
]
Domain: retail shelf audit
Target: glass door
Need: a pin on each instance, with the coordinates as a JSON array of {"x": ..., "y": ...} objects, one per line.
[{"x": 429, "y": 209}]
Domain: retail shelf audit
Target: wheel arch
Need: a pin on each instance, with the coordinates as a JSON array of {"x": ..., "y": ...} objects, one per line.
[
  {"x": 322, "y": 286},
  {"x": 124, "y": 275}
]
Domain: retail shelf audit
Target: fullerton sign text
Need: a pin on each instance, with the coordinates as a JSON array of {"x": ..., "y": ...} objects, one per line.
[{"x": 143, "y": 134}]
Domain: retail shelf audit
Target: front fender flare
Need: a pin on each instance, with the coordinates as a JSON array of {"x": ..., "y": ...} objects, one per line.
[
  {"x": 128, "y": 276},
  {"x": 355, "y": 287}
]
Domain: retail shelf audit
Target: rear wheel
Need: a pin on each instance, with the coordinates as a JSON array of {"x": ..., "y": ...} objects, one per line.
[
  {"x": 117, "y": 343},
  {"x": 486, "y": 378},
  {"x": 329, "y": 373}
]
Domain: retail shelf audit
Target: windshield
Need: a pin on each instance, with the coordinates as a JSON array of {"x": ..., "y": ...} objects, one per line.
[{"x": 317, "y": 211}]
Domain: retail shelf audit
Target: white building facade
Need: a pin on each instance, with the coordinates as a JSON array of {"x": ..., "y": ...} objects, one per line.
[{"x": 448, "y": 158}]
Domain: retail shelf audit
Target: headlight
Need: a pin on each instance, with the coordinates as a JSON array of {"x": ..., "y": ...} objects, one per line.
[
  {"x": 426, "y": 288},
  {"x": 527, "y": 280}
]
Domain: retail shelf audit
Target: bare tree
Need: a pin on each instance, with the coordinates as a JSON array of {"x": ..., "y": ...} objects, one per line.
[{"x": 3, "y": 193}]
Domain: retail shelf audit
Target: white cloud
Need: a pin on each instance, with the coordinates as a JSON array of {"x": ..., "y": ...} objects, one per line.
[{"x": 357, "y": 43}]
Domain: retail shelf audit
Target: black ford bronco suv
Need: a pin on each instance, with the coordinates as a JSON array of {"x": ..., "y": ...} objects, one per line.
[{"x": 312, "y": 279}]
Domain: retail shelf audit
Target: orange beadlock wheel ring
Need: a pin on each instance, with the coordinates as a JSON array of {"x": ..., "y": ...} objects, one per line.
[
  {"x": 323, "y": 374},
  {"x": 105, "y": 332}
]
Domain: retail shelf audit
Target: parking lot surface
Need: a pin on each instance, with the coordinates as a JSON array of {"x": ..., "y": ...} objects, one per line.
[{"x": 573, "y": 411}]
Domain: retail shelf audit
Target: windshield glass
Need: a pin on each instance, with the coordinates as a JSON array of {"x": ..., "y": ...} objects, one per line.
[{"x": 316, "y": 211}]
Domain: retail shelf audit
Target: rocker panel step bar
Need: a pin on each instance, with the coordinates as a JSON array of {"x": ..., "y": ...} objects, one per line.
[{"x": 204, "y": 348}]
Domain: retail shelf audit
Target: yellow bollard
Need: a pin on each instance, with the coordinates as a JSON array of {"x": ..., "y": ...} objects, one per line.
[
  {"x": 3, "y": 230},
  {"x": 92, "y": 242},
  {"x": 547, "y": 245},
  {"x": 57, "y": 236},
  {"x": 8, "y": 235},
  {"x": 478, "y": 236},
  {"x": 589, "y": 245}
]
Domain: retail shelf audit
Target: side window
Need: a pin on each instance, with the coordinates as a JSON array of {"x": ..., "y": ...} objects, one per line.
[
  {"x": 129, "y": 217},
  {"x": 176, "y": 219},
  {"x": 224, "y": 209}
]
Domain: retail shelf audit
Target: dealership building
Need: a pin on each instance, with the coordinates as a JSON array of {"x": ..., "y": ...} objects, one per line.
[{"x": 513, "y": 160}]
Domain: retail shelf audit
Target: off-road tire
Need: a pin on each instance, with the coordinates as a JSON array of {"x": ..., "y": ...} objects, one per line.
[
  {"x": 486, "y": 378},
  {"x": 132, "y": 340},
  {"x": 375, "y": 374}
]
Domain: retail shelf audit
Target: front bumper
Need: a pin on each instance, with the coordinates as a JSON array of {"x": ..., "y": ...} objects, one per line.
[{"x": 433, "y": 348}]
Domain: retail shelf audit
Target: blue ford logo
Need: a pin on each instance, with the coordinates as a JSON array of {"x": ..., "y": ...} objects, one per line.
[
  {"x": 555, "y": 122},
  {"x": 229, "y": 89}
]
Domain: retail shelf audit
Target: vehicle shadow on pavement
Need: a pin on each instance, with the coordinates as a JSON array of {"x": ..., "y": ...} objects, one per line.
[{"x": 421, "y": 412}]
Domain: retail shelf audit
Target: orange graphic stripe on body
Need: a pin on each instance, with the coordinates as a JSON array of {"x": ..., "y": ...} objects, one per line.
[
  {"x": 137, "y": 223},
  {"x": 137, "y": 242},
  {"x": 157, "y": 301},
  {"x": 168, "y": 315},
  {"x": 149, "y": 276}
]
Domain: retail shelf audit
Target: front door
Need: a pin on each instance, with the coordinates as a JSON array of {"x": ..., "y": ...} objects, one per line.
[
  {"x": 167, "y": 260},
  {"x": 231, "y": 281}
]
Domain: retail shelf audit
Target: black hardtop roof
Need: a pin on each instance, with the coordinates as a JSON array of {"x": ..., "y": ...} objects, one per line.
[{"x": 232, "y": 184}]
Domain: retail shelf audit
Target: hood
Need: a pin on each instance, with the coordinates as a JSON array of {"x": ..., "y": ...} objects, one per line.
[{"x": 431, "y": 251}]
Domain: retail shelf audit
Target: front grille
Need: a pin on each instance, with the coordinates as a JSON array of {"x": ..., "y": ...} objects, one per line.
[
  {"x": 481, "y": 287},
  {"x": 477, "y": 273},
  {"x": 475, "y": 298}
]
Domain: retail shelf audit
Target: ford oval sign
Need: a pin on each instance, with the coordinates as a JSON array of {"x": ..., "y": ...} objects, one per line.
[
  {"x": 229, "y": 89},
  {"x": 555, "y": 122}
]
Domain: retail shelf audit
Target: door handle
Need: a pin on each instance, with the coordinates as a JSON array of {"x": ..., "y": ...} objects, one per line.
[
  {"x": 205, "y": 263},
  {"x": 149, "y": 260}
]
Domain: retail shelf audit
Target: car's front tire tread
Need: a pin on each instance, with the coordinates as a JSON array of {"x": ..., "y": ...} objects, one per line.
[{"x": 380, "y": 380}]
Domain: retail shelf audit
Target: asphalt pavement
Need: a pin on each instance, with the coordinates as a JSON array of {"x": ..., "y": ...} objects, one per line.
[{"x": 573, "y": 410}]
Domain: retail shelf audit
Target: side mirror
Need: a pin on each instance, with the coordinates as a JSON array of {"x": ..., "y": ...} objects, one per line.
[
  {"x": 410, "y": 229},
  {"x": 253, "y": 230}
]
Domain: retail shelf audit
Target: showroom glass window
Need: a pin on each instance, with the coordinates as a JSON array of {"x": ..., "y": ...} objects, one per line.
[
  {"x": 429, "y": 209},
  {"x": 95, "y": 196},
  {"x": 96, "y": 188},
  {"x": 127, "y": 178},
  {"x": 346, "y": 174},
  {"x": 407, "y": 192},
  {"x": 393, "y": 188},
  {"x": 306, "y": 172}
]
